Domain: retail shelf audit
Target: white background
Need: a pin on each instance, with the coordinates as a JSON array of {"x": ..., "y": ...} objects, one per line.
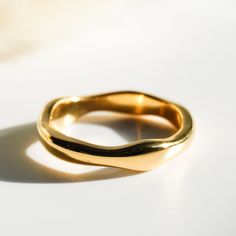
[{"x": 184, "y": 51}]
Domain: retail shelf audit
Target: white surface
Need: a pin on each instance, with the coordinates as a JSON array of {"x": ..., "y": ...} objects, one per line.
[{"x": 181, "y": 50}]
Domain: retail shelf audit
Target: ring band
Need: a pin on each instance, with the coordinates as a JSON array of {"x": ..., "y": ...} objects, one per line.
[{"x": 140, "y": 155}]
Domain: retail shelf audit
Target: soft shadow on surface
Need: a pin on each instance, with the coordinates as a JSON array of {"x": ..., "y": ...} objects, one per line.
[{"x": 17, "y": 166}]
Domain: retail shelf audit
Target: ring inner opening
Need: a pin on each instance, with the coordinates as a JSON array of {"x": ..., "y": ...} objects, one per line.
[{"x": 150, "y": 117}]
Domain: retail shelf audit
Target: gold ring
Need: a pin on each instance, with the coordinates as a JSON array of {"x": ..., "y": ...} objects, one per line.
[{"x": 140, "y": 155}]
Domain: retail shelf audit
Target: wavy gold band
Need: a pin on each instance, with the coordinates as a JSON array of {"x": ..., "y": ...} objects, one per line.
[{"x": 141, "y": 155}]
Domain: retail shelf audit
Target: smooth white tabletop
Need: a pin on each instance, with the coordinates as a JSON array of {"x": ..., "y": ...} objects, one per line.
[{"x": 184, "y": 51}]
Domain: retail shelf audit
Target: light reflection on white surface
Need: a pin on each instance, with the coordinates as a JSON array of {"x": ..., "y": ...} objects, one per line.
[
  {"x": 26, "y": 24},
  {"x": 176, "y": 184}
]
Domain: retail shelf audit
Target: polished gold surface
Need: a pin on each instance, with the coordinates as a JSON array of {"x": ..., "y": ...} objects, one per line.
[{"x": 140, "y": 155}]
